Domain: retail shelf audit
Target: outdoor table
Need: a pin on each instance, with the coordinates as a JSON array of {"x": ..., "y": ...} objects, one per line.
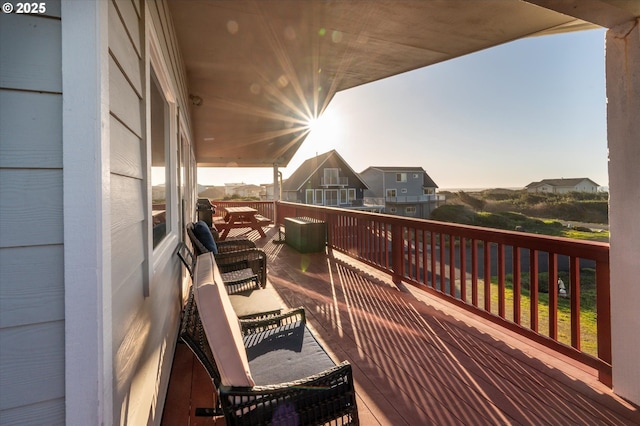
[{"x": 241, "y": 217}]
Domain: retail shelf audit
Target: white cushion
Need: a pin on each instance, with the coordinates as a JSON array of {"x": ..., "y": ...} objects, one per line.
[{"x": 220, "y": 323}]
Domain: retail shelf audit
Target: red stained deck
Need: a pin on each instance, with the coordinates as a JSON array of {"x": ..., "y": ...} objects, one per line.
[{"x": 416, "y": 359}]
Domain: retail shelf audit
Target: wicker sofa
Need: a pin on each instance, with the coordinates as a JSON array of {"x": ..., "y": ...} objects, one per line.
[{"x": 267, "y": 371}]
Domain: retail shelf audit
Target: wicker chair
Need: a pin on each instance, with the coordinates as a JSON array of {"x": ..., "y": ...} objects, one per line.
[
  {"x": 248, "y": 297},
  {"x": 327, "y": 397},
  {"x": 224, "y": 246},
  {"x": 234, "y": 255}
]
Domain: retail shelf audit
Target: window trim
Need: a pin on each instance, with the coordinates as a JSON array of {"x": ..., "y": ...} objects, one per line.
[{"x": 157, "y": 257}]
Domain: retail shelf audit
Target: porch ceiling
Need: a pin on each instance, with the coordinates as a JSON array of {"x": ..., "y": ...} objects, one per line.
[{"x": 264, "y": 69}]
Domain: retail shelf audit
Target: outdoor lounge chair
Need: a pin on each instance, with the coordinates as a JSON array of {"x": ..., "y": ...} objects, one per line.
[
  {"x": 248, "y": 297},
  {"x": 222, "y": 246},
  {"x": 244, "y": 255},
  {"x": 267, "y": 371}
]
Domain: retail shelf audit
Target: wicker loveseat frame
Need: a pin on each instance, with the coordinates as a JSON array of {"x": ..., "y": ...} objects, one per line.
[
  {"x": 324, "y": 398},
  {"x": 248, "y": 297}
]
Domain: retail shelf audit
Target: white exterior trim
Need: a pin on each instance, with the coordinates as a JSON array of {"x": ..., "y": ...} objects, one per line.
[
  {"x": 623, "y": 128},
  {"x": 154, "y": 60},
  {"x": 86, "y": 209}
]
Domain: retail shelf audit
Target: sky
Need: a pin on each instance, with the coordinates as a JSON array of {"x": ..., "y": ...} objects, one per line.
[{"x": 517, "y": 113}]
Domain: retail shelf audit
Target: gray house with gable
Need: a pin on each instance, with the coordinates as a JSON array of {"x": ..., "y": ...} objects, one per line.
[{"x": 404, "y": 191}]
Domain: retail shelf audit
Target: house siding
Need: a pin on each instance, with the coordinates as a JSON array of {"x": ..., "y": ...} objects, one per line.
[
  {"x": 144, "y": 328},
  {"x": 32, "y": 386}
]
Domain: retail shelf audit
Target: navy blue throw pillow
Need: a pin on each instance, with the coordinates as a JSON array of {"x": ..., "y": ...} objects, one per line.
[{"x": 203, "y": 234}]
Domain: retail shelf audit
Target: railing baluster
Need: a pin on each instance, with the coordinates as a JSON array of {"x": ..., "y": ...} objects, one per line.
[
  {"x": 463, "y": 269},
  {"x": 474, "y": 272},
  {"x": 553, "y": 296},
  {"x": 574, "y": 294},
  {"x": 501, "y": 279},
  {"x": 433, "y": 260},
  {"x": 603, "y": 309},
  {"x": 533, "y": 289},
  {"x": 443, "y": 274},
  {"x": 487, "y": 276},
  {"x": 452, "y": 265},
  {"x": 517, "y": 286}
]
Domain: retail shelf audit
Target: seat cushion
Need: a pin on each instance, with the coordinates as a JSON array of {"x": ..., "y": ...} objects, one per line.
[
  {"x": 203, "y": 234},
  {"x": 255, "y": 302},
  {"x": 220, "y": 323},
  {"x": 285, "y": 354}
]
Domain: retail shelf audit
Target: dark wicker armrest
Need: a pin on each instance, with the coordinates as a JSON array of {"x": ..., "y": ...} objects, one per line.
[
  {"x": 254, "y": 258},
  {"x": 252, "y": 326},
  {"x": 317, "y": 399},
  {"x": 234, "y": 245}
]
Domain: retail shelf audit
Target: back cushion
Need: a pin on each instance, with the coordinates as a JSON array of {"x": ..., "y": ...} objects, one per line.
[
  {"x": 220, "y": 324},
  {"x": 203, "y": 234}
]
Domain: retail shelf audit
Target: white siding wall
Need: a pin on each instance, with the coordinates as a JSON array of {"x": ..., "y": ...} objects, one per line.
[
  {"x": 144, "y": 325},
  {"x": 32, "y": 387}
]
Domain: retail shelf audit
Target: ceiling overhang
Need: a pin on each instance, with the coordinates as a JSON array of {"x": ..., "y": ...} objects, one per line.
[{"x": 259, "y": 71}]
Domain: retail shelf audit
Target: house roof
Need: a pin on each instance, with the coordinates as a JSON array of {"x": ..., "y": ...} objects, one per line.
[
  {"x": 427, "y": 182},
  {"x": 562, "y": 182},
  {"x": 309, "y": 168},
  {"x": 258, "y": 71}
]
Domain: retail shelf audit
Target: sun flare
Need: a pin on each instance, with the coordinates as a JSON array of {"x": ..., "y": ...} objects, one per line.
[{"x": 325, "y": 132}]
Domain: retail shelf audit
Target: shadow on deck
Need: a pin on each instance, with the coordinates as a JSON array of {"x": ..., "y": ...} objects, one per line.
[{"x": 416, "y": 359}]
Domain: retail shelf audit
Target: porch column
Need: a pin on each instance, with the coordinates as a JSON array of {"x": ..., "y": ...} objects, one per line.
[
  {"x": 276, "y": 182},
  {"x": 623, "y": 134}
]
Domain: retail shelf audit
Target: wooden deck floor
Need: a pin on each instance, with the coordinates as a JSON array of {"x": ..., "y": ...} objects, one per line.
[{"x": 416, "y": 360}]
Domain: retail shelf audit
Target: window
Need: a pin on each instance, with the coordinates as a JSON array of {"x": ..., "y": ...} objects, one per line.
[
  {"x": 403, "y": 190},
  {"x": 392, "y": 210},
  {"x": 401, "y": 177},
  {"x": 416, "y": 175},
  {"x": 427, "y": 191},
  {"x": 331, "y": 197},
  {"x": 331, "y": 177},
  {"x": 352, "y": 195},
  {"x": 410, "y": 210},
  {"x": 391, "y": 193},
  {"x": 160, "y": 154},
  {"x": 319, "y": 200},
  {"x": 343, "y": 197}
]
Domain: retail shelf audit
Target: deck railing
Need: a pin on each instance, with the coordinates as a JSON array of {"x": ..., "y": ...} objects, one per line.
[
  {"x": 265, "y": 208},
  {"x": 512, "y": 278}
]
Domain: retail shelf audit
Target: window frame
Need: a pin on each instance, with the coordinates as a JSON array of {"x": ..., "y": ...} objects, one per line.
[{"x": 157, "y": 257}]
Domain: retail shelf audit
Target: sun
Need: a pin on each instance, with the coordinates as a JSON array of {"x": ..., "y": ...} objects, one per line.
[{"x": 325, "y": 131}]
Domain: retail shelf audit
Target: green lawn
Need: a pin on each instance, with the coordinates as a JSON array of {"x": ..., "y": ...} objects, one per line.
[{"x": 588, "y": 327}]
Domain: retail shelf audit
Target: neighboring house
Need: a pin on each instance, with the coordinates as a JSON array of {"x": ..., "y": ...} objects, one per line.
[
  {"x": 242, "y": 190},
  {"x": 325, "y": 180},
  {"x": 404, "y": 191},
  {"x": 212, "y": 193},
  {"x": 562, "y": 186}
]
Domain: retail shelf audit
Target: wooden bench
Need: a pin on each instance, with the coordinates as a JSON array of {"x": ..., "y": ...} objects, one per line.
[{"x": 267, "y": 371}]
